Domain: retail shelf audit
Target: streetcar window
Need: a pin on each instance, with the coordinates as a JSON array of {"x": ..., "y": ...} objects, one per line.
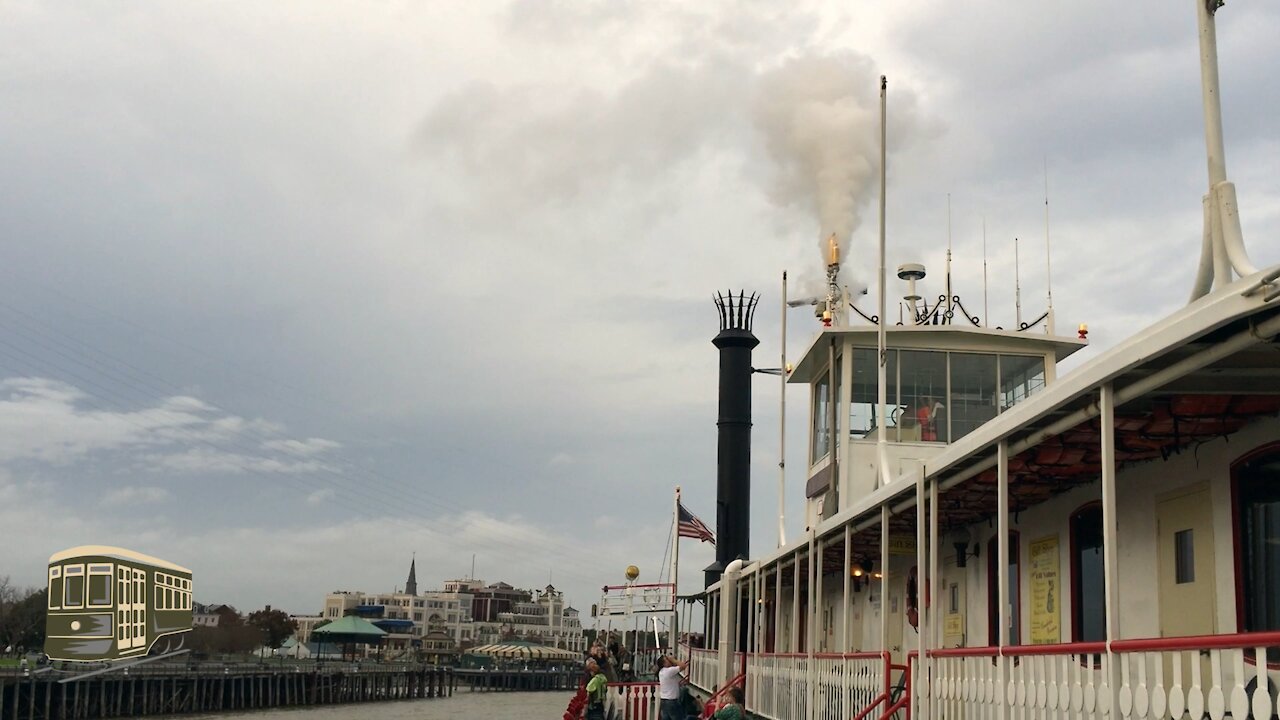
[
  {"x": 73, "y": 587},
  {"x": 55, "y": 588},
  {"x": 159, "y": 598},
  {"x": 168, "y": 599},
  {"x": 100, "y": 588}
]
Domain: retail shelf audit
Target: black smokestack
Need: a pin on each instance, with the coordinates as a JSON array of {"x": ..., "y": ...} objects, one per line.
[{"x": 733, "y": 454}]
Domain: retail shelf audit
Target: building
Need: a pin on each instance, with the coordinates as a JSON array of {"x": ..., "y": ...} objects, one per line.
[
  {"x": 546, "y": 620},
  {"x": 467, "y": 611}
]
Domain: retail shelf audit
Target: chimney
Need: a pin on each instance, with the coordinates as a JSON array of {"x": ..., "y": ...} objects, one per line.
[{"x": 733, "y": 453}]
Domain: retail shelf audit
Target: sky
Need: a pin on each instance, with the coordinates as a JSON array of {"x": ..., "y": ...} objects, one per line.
[{"x": 291, "y": 293}]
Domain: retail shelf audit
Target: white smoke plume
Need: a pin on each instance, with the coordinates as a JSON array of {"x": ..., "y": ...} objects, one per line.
[{"x": 819, "y": 115}]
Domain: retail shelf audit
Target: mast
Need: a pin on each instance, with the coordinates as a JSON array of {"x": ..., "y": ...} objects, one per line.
[
  {"x": 1048, "y": 259},
  {"x": 1017, "y": 286},
  {"x": 882, "y": 399},
  {"x": 675, "y": 569},
  {"x": 950, "y": 309},
  {"x": 986, "y": 313},
  {"x": 782, "y": 425}
]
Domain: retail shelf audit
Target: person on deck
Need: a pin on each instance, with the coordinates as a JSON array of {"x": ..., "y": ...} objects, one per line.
[
  {"x": 733, "y": 708},
  {"x": 926, "y": 416},
  {"x": 669, "y": 678},
  {"x": 597, "y": 686}
]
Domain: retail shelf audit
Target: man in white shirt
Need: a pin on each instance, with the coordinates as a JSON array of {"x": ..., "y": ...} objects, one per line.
[{"x": 669, "y": 680}]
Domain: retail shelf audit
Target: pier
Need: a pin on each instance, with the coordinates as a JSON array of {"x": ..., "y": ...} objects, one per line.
[
  {"x": 50, "y": 694},
  {"x": 510, "y": 680}
]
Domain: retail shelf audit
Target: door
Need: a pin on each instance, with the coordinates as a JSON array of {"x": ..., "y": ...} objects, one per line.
[
  {"x": 1184, "y": 528},
  {"x": 139, "y": 608},
  {"x": 1184, "y": 554},
  {"x": 124, "y": 607}
]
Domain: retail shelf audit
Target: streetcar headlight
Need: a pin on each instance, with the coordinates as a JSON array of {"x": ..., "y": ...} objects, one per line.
[{"x": 75, "y": 625}]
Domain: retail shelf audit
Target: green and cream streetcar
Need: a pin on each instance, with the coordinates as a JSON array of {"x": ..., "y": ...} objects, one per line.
[{"x": 108, "y": 603}]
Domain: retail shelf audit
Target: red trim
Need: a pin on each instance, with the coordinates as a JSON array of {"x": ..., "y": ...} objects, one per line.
[
  {"x": 1075, "y": 568},
  {"x": 1189, "y": 642},
  {"x": 1259, "y": 451},
  {"x": 993, "y": 592}
]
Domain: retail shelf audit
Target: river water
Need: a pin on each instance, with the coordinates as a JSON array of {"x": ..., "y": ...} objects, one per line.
[{"x": 464, "y": 704}]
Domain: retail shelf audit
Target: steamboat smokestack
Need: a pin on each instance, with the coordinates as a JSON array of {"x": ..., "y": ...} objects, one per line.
[{"x": 733, "y": 454}]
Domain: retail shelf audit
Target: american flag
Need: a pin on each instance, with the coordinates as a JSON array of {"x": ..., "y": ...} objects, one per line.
[{"x": 691, "y": 526}]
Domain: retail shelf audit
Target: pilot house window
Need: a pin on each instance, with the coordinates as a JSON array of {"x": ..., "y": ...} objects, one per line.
[
  {"x": 1258, "y": 503},
  {"x": 821, "y": 418}
]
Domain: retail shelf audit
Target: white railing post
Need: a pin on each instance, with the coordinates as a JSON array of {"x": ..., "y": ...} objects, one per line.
[{"x": 1106, "y": 407}]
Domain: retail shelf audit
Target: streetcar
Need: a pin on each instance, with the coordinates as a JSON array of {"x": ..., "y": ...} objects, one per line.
[{"x": 109, "y": 603}]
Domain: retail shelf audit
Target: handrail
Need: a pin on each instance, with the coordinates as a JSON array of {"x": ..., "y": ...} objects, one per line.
[{"x": 1186, "y": 642}]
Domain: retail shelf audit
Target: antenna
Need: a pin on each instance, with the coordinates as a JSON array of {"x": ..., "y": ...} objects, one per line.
[
  {"x": 882, "y": 399},
  {"x": 1048, "y": 254},
  {"x": 986, "y": 314},
  {"x": 473, "y": 567},
  {"x": 1017, "y": 285},
  {"x": 949, "y": 309}
]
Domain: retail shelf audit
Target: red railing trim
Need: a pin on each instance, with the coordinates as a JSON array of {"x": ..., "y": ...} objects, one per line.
[{"x": 1184, "y": 643}]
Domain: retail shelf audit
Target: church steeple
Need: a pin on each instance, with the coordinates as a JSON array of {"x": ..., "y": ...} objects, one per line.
[{"x": 411, "y": 585}]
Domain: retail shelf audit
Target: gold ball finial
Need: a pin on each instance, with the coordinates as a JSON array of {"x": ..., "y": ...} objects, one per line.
[{"x": 633, "y": 572}]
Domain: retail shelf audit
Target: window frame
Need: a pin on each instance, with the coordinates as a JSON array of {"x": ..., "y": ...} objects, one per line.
[
  {"x": 993, "y": 589},
  {"x": 1076, "y": 588},
  {"x": 1271, "y": 448}
]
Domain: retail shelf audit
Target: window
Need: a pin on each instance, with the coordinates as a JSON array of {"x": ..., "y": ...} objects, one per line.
[
  {"x": 922, "y": 386},
  {"x": 993, "y": 594},
  {"x": 55, "y": 588},
  {"x": 73, "y": 587},
  {"x": 864, "y": 402},
  {"x": 973, "y": 392},
  {"x": 1257, "y": 503},
  {"x": 1088, "y": 592},
  {"x": 1184, "y": 556},
  {"x": 99, "y": 586},
  {"x": 821, "y": 418},
  {"x": 1020, "y": 377}
]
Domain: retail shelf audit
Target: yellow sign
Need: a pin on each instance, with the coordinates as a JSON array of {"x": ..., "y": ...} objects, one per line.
[
  {"x": 953, "y": 625},
  {"x": 1046, "y": 592},
  {"x": 902, "y": 545}
]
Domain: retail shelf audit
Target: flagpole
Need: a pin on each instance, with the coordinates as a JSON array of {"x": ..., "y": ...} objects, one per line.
[{"x": 675, "y": 570}]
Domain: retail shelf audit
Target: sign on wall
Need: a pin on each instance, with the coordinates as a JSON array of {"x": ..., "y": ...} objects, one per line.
[{"x": 1046, "y": 592}]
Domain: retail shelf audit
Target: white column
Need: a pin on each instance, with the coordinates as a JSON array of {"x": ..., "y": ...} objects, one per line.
[
  {"x": 795, "y": 604},
  {"x": 922, "y": 583},
  {"x": 777, "y": 607},
  {"x": 935, "y": 575},
  {"x": 884, "y": 577},
  {"x": 1106, "y": 406},
  {"x": 816, "y": 607},
  {"x": 1002, "y": 573},
  {"x": 811, "y": 626},
  {"x": 844, "y": 603}
]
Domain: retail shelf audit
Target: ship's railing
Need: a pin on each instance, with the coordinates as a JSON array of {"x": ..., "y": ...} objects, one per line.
[
  {"x": 1214, "y": 675},
  {"x": 632, "y": 701},
  {"x": 843, "y": 686},
  {"x": 703, "y": 668}
]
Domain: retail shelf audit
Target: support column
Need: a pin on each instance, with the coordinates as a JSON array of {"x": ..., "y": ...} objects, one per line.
[
  {"x": 777, "y": 607},
  {"x": 810, "y": 627},
  {"x": 1106, "y": 406},
  {"x": 884, "y": 577},
  {"x": 795, "y": 604},
  {"x": 922, "y": 582},
  {"x": 1002, "y": 574},
  {"x": 816, "y": 605},
  {"x": 844, "y": 603}
]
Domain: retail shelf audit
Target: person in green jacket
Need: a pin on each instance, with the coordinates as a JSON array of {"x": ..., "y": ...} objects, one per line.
[
  {"x": 596, "y": 689},
  {"x": 732, "y": 708}
]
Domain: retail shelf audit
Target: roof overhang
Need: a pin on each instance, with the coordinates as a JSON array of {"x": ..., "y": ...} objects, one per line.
[{"x": 963, "y": 338}]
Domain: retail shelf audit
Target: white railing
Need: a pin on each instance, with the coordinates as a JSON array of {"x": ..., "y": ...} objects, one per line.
[
  {"x": 703, "y": 668},
  {"x": 632, "y": 701},
  {"x": 843, "y": 686},
  {"x": 1214, "y": 676}
]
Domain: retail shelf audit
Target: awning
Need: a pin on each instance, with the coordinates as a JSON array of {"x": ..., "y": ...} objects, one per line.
[{"x": 524, "y": 651}]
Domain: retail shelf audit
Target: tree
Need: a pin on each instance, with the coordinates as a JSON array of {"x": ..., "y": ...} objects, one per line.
[
  {"x": 22, "y": 615},
  {"x": 275, "y": 626}
]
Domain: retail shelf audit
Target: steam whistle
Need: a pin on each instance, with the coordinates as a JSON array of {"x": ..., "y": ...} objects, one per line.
[{"x": 833, "y": 284}]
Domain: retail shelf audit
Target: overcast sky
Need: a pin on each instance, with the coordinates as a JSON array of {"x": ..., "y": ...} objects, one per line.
[{"x": 291, "y": 291}]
